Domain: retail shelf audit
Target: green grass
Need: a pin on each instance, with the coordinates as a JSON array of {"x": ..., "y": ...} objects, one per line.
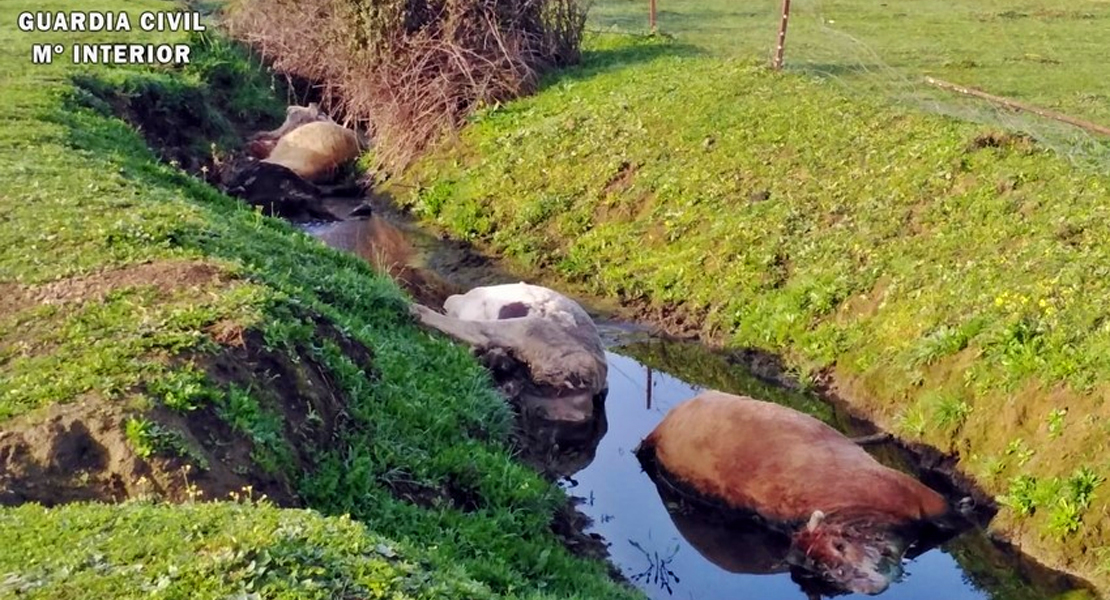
[
  {"x": 1041, "y": 52},
  {"x": 143, "y": 267},
  {"x": 912, "y": 253},
  {"x": 212, "y": 550}
]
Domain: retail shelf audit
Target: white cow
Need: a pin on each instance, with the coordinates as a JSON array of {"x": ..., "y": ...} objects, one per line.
[{"x": 549, "y": 335}]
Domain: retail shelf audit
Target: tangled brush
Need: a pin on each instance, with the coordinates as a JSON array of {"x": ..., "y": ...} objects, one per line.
[{"x": 410, "y": 71}]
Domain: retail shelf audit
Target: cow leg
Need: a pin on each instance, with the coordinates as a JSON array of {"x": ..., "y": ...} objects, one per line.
[{"x": 467, "y": 332}]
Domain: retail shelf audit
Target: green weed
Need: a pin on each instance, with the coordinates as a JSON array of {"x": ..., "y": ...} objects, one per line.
[
  {"x": 1081, "y": 486},
  {"x": 149, "y": 439},
  {"x": 240, "y": 409},
  {"x": 183, "y": 390},
  {"x": 1021, "y": 496},
  {"x": 1056, "y": 422},
  {"x": 1019, "y": 450}
]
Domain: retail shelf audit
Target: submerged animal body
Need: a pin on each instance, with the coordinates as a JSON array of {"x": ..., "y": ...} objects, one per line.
[
  {"x": 262, "y": 143},
  {"x": 737, "y": 543},
  {"x": 315, "y": 150},
  {"x": 850, "y": 518},
  {"x": 562, "y": 368}
]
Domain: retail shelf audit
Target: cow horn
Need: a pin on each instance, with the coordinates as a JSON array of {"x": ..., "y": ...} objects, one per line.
[{"x": 815, "y": 520}]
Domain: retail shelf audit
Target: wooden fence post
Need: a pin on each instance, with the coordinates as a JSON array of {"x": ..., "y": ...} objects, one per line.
[
  {"x": 651, "y": 15},
  {"x": 777, "y": 64}
]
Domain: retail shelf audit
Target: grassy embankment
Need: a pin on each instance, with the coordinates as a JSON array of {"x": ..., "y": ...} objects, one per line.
[
  {"x": 1037, "y": 51},
  {"x": 951, "y": 279},
  {"x": 160, "y": 339}
]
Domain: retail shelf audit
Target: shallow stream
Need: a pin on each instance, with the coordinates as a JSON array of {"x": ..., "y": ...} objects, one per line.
[{"x": 686, "y": 557}]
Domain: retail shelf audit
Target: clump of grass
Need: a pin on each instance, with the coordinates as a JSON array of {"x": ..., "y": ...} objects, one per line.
[
  {"x": 1056, "y": 422},
  {"x": 184, "y": 390},
  {"x": 945, "y": 341},
  {"x": 148, "y": 439},
  {"x": 912, "y": 421},
  {"x": 950, "y": 411},
  {"x": 1021, "y": 495}
]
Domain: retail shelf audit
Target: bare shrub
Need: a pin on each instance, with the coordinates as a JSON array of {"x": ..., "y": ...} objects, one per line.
[{"x": 410, "y": 71}]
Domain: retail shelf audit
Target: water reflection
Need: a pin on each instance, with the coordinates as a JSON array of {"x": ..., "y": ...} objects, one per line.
[
  {"x": 737, "y": 544},
  {"x": 559, "y": 449}
]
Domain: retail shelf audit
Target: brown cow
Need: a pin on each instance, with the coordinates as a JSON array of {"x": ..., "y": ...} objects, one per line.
[
  {"x": 262, "y": 143},
  {"x": 315, "y": 150},
  {"x": 850, "y": 518}
]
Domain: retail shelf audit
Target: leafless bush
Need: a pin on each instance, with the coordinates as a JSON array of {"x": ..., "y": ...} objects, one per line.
[{"x": 411, "y": 70}]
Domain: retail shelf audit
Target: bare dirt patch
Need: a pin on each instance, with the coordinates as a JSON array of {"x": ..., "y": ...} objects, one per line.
[
  {"x": 168, "y": 276},
  {"x": 1004, "y": 140},
  {"x": 672, "y": 319},
  {"x": 73, "y": 452},
  {"x": 623, "y": 179}
]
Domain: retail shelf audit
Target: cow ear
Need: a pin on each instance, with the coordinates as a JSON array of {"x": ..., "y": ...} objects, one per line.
[{"x": 815, "y": 520}]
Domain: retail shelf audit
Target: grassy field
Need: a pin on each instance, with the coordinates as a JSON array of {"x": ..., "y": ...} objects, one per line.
[
  {"x": 1046, "y": 53},
  {"x": 950, "y": 277},
  {"x": 139, "y": 305},
  {"x": 212, "y": 551}
]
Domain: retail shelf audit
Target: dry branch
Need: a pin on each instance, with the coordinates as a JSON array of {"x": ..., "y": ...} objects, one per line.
[{"x": 1015, "y": 105}]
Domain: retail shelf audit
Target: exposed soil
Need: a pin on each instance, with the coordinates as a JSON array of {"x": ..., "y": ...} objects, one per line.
[
  {"x": 169, "y": 276},
  {"x": 74, "y": 452},
  {"x": 623, "y": 179},
  {"x": 80, "y": 451},
  {"x": 1001, "y": 139}
]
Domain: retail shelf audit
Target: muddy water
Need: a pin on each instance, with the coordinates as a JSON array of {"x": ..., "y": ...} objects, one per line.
[{"x": 686, "y": 555}]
